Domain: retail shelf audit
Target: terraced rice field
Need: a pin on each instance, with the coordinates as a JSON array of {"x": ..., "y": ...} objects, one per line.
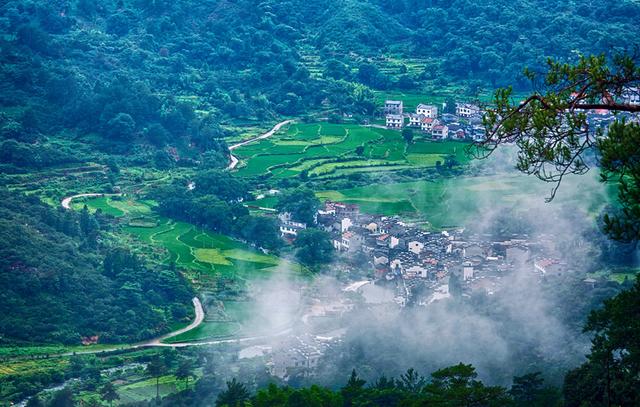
[
  {"x": 329, "y": 150},
  {"x": 191, "y": 248}
]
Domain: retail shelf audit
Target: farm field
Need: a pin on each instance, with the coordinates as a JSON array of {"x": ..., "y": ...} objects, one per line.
[
  {"x": 146, "y": 389},
  {"x": 326, "y": 150},
  {"x": 457, "y": 201},
  {"x": 214, "y": 262}
]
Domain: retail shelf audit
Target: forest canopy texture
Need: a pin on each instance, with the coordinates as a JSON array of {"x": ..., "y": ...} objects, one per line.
[
  {"x": 60, "y": 285},
  {"x": 127, "y": 71}
]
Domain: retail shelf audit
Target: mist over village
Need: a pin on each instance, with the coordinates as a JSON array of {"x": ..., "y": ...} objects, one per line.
[{"x": 322, "y": 203}]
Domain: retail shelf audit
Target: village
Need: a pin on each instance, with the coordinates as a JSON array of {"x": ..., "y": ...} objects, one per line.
[
  {"x": 465, "y": 124},
  {"x": 402, "y": 264}
]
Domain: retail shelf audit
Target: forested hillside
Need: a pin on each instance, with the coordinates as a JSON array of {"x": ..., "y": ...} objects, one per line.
[
  {"x": 157, "y": 71},
  {"x": 60, "y": 283}
]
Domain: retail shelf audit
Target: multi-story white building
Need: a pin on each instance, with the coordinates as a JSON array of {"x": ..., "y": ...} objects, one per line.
[
  {"x": 393, "y": 107},
  {"x": 394, "y": 121},
  {"x": 467, "y": 110},
  {"x": 631, "y": 96},
  {"x": 427, "y": 110},
  {"x": 440, "y": 131},
  {"x": 415, "y": 119},
  {"x": 289, "y": 228},
  {"x": 427, "y": 124}
]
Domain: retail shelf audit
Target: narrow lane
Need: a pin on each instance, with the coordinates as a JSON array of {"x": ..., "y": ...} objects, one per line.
[{"x": 234, "y": 160}]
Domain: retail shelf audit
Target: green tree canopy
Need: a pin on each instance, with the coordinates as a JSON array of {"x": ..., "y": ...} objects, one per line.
[
  {"x": 313, "y": 247},
  {"x": 555, "y": 136},
  {"x": 301, "y": 203}
]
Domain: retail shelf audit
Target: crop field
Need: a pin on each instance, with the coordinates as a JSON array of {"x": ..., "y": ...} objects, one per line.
[
  {"x": 146, "y": 389},
  {"x": 28, "y": 367},
  {"x": 457, "y": 201},
  {"x": 207, "y": 257},
  {"x": 326, "y": 150},
  {"x": 114, "y": 206}
]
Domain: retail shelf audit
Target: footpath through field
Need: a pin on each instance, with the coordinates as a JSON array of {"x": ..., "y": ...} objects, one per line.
[{"x": 234, "y": 160}]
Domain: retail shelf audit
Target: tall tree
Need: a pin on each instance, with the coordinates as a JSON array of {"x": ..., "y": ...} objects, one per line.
[
  {"x": 109, "y": 394},
  {"x": 301, "y": 203},
  {"x": 156, "y": 368},
  {"x": 407, "y": 135},
  {"x": 62, "y": 398},
  {"x": 353, "y": 389},
  {"x": 457, "y": 386},
  {"x": 314, "y": 247},
  {"x": 235, "y": 395},
  {"x": 185, "y": 371},
  {"x": 555, "y": 136},
  {"x": 611, "y": 374}
]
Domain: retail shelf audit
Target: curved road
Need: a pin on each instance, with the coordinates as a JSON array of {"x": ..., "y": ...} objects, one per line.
[
  {"x": 66, "y": 202},
  {"x": 197, "y": 305},
  {"x": 234, "y": 159},
  {"x": 153, "y": 342}
]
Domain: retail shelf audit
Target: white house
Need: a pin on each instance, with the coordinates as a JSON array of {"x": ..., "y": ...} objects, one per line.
[
  {"x": 427, "y": 110},
  {"x": 393, "y": 107},
  {"x": 351, "y": 242},
  {"x": 415, "y": 247},
  {"x": 288, "y": 227},
  {"x": 631, "y": 96},
  {"x": 467, "y": 270},
  {"x": 380, "y": 259},
  {"x": 416, "y": 271},
  {"x": 440, "y": 131},
  {"x": 345, "y": 224},
  {"x": 395, "y": 121},
  {"x": 467, "y": 110},
  {"x": 415, "y": 119},
  {"x": 427, "y": 124}
]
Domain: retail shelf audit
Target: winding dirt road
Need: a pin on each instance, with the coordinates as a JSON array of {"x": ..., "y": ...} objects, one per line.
[
  {"x": 154, "y": 342},
  {"x": 66, "y": 202},
  {"x": 197, "y": 305},
  {"x": 234, "y": 160}
]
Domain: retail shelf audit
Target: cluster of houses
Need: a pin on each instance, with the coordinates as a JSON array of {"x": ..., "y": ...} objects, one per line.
[
  {"x": 465, "y": 124},
  {"x": 396, "y": 251},
  {"x": 414, "y": 265}
]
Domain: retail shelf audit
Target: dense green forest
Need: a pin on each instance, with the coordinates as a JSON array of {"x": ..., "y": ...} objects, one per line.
[
  {"x": 62, "y": 282},
  {"x": 157, "y": 72}
]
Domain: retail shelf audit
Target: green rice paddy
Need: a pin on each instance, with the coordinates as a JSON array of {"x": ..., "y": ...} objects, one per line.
[{"x": 327, "y": 150}]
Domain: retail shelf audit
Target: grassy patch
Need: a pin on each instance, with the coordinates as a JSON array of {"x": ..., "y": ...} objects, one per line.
[
  {"x": 213, "y": 256},
  {"x": 103, "y": 203}
]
